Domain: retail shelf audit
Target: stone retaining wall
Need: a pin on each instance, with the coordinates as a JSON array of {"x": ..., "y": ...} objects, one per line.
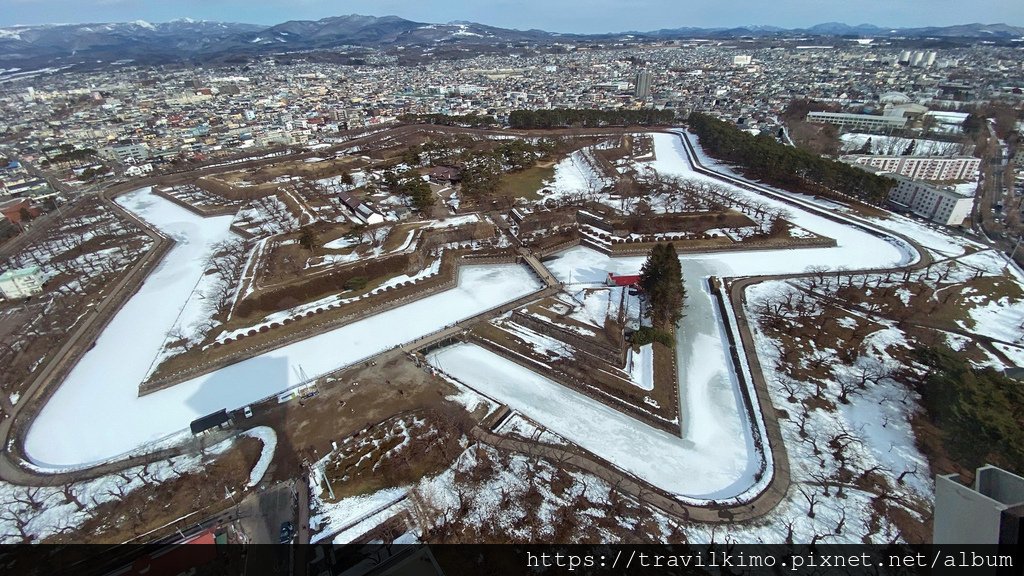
[
  {"x": 607, "y": 354},
  {"x": 643, "y": 248},
  {"x": 220, "y": 211},
  {"x": 446, "y": 279},
  {"x": 579, "y": 386},
  {"x": 545, "y": 252}
]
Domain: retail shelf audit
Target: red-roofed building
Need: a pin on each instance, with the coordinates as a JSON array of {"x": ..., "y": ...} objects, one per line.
[
  {"x": 175, "y": 559},
  {"x": 16, "y": 209},
  {"x": 615, "y": 280}
]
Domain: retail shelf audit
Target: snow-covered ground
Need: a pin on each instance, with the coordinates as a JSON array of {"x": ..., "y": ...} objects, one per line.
[
  {"x": 268, "y": 437},
  {"x": 350, "y": 518},
  {"x": 97, "y": 414},
  {"x": 897, "y": 146}
]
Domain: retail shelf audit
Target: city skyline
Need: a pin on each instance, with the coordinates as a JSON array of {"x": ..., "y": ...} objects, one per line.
[{"x": 573, "y": 16}]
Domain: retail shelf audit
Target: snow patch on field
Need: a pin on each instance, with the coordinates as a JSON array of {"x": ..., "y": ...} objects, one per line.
[
  {"x": 641, "y": 367},
  {"x": 268, "y": 437},
  {"x": 331, "y": 519},
  {"x": 518, "y": 425}
]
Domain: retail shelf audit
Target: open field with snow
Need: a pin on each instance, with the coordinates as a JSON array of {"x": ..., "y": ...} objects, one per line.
[{"x": 114, "y": 507}]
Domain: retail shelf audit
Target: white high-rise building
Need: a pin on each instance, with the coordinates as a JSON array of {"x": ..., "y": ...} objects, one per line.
[
  {"x": 920, "y": 167},
  {"x": 643, "y": 85},
  {"x": 943, "y": 205},
  {"x": 991, "y": 511}
]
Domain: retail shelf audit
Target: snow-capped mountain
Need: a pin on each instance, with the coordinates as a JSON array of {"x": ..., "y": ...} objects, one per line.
[{"x": 187, "y": 39}]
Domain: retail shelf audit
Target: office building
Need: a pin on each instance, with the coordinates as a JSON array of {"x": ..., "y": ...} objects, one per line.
[{"x": 129, "y": 154}]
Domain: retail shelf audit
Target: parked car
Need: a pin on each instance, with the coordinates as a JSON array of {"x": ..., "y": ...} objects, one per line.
[
  {"x": 247, "y": 411},
  {"x": 287, "y": 531}
]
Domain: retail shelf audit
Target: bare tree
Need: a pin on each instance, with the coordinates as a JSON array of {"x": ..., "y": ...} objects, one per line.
[
  {"x": 18, "y": 519},
  {"x": 791, "y": 387},
  {"x": 817, "y": 274},
  {"x": 842, "y": 520},
  {"x": 811, "y": 497},
  {"x": 901, "y": 478},
  {"x": 69, "y": 494},
  {"x": 851, "y": 382},
  {"x": 789, "y": 531},
  {"x": 824, "y": 479}
]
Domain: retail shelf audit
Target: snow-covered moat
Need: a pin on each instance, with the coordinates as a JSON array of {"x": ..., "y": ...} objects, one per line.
[
  {"x": 715, "y": 458},
  {"x": 97, "y": 414}
]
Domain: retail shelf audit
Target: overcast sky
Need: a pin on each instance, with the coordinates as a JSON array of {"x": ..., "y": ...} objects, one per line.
[{"x": 586, "y": 16}]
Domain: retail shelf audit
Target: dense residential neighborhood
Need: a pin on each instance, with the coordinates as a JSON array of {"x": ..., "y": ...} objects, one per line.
[{"x": 371, "y": 281}]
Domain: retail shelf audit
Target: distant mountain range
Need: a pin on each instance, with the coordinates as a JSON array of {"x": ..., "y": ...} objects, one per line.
[
  {"x": 190, "y": 40},
  {"x": 967, "y": 31}
]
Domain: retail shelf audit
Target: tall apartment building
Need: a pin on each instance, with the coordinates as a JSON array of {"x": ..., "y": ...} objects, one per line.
[
  {"x": 920, "y": 167},
  {"x": 643, "y": 84},
  {"x": 866, "y": 122},
  {"x": 943, "y": 205},
  {"x": 989, "y": 512}
]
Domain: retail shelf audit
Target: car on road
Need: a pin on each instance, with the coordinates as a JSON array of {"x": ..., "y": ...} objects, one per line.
[
  {"x": 287, "y": 531},
  {"x": 247, "y": 411}
]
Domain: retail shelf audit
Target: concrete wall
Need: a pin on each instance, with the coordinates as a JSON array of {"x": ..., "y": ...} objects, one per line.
[{"x": 963, "y": 515}]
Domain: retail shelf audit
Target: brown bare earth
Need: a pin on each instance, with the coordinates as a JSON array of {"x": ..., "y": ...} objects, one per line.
[
  {"x": 355, "y": 400},
  {"x": 397, "y": 451}
]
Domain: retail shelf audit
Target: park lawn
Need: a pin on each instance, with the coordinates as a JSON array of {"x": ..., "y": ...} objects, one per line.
[{"x": 525, "y": 183}]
